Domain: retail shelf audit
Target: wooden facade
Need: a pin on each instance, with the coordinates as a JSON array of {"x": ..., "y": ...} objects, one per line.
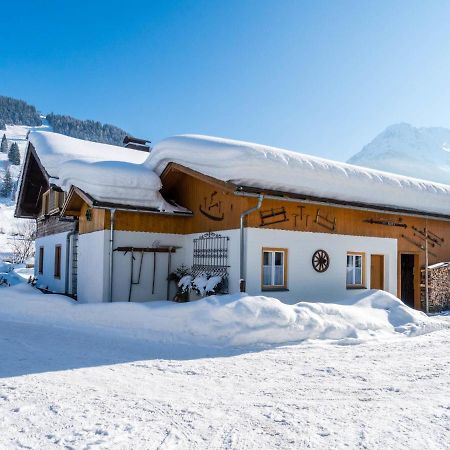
[{"x": 54, "y": 225}]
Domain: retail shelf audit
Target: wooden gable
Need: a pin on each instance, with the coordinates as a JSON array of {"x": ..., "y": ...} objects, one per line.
[
  {"x": 34, "y": 183},
  {"x": 212, "y": 202}
]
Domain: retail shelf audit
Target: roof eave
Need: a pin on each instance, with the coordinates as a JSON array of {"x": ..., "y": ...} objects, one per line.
[
  {"x": 93, "y": 203},
  {"x": 141, "y": 209},
  {"x": 289, "y": 196}
]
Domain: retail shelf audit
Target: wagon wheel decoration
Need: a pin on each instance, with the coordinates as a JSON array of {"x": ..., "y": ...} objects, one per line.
[{"x": 320, "y": 261}]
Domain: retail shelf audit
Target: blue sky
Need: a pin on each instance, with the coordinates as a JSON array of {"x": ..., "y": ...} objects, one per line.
[{"x": 321, "y": 77}]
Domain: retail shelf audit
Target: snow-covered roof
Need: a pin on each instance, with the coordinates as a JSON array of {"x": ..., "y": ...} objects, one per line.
[
  {"x": 108, "y": 173},
  {"x": 270, "y": 168}
]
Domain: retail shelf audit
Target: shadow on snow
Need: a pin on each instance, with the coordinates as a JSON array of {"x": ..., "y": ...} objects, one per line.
[{"x": 27, "y": 348}]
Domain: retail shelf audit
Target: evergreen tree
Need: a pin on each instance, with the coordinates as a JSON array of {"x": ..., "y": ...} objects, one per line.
[
  {"x": 4, "y": 146},
  {"x": 14, "y": 154},
  {"x": 7, "y": 185},
  {"x": 86, "y": 129},
  {"x": 17, "y": 112}
]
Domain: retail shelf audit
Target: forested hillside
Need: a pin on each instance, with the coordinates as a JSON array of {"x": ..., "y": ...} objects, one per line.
[
  {"x": 86, "y": 129},
  {"x": 17, "y": 112}
]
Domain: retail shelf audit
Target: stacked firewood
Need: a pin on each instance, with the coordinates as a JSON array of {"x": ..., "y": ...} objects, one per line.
[{"x": 438, "y": 287}]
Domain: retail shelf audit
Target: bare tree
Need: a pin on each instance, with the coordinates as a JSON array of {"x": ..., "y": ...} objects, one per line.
[{"x": 23, "y": 241}]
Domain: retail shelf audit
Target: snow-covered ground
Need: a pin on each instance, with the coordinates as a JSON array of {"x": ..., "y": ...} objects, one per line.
[
  {"x": 7, "y": 226},
  {"x": 169, "y": 376},
  {"x": 14, "y": 274}
]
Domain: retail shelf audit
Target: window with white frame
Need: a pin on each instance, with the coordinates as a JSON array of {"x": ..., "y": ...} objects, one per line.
[
  {"x": 274, "y": 268},
  {"x": 355, "y": 269}
]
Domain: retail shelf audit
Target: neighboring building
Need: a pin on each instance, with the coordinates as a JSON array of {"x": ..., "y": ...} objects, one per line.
[{"x": 271, "y": 221}]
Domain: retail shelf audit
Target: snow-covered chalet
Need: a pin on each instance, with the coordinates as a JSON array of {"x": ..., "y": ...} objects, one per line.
[{"x": 119, "y": 224}]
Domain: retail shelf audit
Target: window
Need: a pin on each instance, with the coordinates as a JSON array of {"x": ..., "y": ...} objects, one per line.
[
  {"x": 274, "y": 268},
  {"x": 355, "y": 270},
  {"x": 57, "y": 272},
  {"x": 41, "y": 260}
]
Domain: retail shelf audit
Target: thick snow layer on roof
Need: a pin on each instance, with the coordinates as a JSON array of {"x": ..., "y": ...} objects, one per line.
[
  {"x": 54, "y": 149},
  {"x": 108, "y": 173},
  {"x": 260, "y": 166}
]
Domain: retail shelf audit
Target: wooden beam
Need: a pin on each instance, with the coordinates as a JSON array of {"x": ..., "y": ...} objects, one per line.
[{"x": 174, "y": 167}]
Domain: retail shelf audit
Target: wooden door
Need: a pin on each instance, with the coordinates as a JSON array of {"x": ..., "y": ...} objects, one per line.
[{"x": 377, "y": 272}]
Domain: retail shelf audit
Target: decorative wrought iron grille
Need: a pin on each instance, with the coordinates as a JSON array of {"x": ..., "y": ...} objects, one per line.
[{"x": 211, "y": 255}]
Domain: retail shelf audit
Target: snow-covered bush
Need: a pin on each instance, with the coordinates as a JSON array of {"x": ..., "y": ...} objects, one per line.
[
  {"x": 185, "y": 283},
  {"x": 180, "y": 274},
  {"x": 202, "y": 284}
]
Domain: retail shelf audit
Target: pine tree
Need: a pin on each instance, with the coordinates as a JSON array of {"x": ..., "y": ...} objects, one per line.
[
  {"x": 7, "y": 185},
  {"x": 17, "y": 112},
  {"x": 14, "y": 154},
  {"x": 4, "y": 146}
]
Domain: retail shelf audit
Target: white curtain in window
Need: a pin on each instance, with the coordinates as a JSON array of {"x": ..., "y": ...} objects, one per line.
[
  {"x": 358, "y": 269},
  {"x": 273, "y": 268},
  {"x": 267, "y": 268},
  {"x": 349, "y": 269},
  {"x": 278, "y": 269},
  {"x": 354, "y": 269}
]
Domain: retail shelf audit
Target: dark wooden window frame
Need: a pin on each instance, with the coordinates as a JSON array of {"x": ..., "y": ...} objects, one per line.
[
  {"x": 57, "y": 268},
  {"x": 41, "y": 261}
]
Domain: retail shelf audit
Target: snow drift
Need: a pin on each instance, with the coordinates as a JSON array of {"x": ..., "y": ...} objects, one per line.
[
  {"x": 229, "y": 320},
  {"x": 265, "y": 167}
]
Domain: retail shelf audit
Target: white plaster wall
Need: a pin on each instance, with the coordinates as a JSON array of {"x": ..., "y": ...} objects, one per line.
[
  {"x": 93, "y": 264},
  {"x": 183, "y": 256},
  {"x": 70, "y": 286},
  {"x": 122, "y": 265},
  {"x": 46, "y": 279},
  {"x": 304, "y": 283},
  {"x": 93, "y": 268}
]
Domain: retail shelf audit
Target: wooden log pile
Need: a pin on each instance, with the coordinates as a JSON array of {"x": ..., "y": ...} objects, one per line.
[{"x": 438, "y": 287}]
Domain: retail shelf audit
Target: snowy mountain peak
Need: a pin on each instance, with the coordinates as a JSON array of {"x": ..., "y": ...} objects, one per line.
[{"x": 402, "y": 148}]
